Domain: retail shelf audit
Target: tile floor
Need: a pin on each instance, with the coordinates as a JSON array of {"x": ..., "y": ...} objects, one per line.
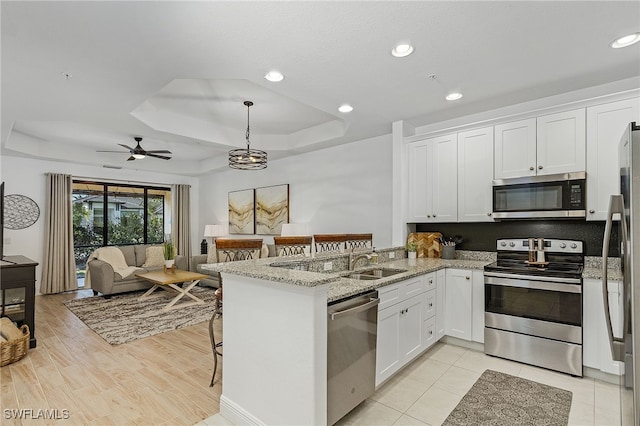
[{"x": 426, "y": 391}]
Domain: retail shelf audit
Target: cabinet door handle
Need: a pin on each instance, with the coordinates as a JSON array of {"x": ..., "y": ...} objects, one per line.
[
  {"x": 430, "y": 332},
  {"x": 488, "y": 214},
  {"x": 592, "y": 211},
  {"x": 430, "y": 281},
  {"x": 540, "y": 167},
  {"x": 468, "y": 278},
  {"x": 431, "y": 305},
  {"x": 434, "y": 215},
  {"x": 428, "y": 215},
  {"x": 531, "y": 168}
]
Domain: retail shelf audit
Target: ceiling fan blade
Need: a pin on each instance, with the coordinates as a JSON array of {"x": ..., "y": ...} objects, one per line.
[
  {"x": 159, "y": 151},
  {"x": 120, "y": 152},
  {"x": 128, "y": 147},
  {"x": 131, "y": 158},
  {"x": 158, "y": 156}
]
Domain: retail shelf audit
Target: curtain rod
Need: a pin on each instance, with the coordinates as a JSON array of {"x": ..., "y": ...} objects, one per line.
[{"x": 120, "y": 180}]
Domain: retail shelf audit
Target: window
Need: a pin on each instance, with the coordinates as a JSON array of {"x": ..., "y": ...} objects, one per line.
[{"x": 133, "y": 215}]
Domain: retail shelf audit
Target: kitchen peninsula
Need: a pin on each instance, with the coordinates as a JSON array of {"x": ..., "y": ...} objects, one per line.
[{"x": 275, "y": 328}]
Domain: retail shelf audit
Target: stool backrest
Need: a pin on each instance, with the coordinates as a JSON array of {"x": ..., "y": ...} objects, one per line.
[
  {"x": 359, "y": 241},
  {"x": 330, "y": 242},
  {"x": 231, "y": 250},
  {"x": 292, "y": 245}
]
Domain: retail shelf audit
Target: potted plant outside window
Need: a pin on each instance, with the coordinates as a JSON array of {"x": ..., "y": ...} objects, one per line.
[{"x": 169, "y": 251}]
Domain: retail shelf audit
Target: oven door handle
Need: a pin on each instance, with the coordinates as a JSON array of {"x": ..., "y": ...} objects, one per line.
[
  {"x": 616, "y": 206},
  {"x": 536, "y": 285},
  {"x": 537, "y": 278}
]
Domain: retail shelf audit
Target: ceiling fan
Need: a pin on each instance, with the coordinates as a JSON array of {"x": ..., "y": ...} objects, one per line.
[{"x": 138, "y": 153}]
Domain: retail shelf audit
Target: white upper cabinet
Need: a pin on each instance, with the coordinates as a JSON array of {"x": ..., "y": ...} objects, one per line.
[
  {"x": 475, "y": 175},
  {"x": 547, "y": 145},
  {"x": 433, "y": 180},
  {"x": 561, "y": 146},
  {"x": 605, "y": 125},
  {"x": 515, "y": 149},
  {"x": 420, "y": 158}
]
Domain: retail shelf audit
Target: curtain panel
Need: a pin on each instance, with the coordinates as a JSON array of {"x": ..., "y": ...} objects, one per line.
[
  {"x": 181, "y": 219},
  {"x": 59, "y": 266}
]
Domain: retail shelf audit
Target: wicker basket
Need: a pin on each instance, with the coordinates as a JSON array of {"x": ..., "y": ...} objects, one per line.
[{"x": 15, "y": 349}]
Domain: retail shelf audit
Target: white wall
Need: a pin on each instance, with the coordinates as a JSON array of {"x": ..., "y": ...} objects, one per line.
[
  {"x": 343, "y": 189},
  {"x": 27, "y": 177}
]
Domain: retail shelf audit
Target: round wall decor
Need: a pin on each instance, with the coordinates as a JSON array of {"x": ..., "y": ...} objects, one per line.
[{"x": 20, "y": 211}]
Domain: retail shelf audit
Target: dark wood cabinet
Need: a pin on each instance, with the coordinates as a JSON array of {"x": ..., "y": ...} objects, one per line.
[{"x": 17, "y": 292}]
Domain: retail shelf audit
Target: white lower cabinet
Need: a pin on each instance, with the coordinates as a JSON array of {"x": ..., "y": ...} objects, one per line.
[
  {"x": 406, "y": 323},
  {"x": 440, "y": 305},
  {"x": 595, "y": 339},
  {"x": 464, "y": 304}
]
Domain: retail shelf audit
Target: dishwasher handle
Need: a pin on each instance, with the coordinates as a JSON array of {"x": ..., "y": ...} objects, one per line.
[{"x": 373, "y": 301}]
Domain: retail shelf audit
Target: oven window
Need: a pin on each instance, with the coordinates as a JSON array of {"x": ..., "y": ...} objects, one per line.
[
  {"x": 545, "y": 305},
  {"x": 530, "y": 197}
]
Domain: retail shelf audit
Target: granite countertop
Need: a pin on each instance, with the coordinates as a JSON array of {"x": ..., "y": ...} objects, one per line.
[
  {"x": 340, "y": 286},
  {"x": 593, "y": 268}
]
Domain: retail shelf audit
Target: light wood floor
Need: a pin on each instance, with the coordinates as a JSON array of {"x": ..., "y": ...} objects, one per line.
[{"x": 160, "y": 380}]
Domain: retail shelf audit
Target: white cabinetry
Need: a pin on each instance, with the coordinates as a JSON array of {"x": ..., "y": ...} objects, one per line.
[
  {"x": 475, "y": 175},
  {"x": 432, "y": 179},
  {"x": 458, "y": 301},
  {"x": 464, "y": 300},
  {"x": 595, "y": 344},
  {"x": 605, "y": 125},
  {"x": 515, "y": 149},
  {"x": 477, "y": 310},
  {"x": 550, "y": 144},
  {"x": 440, "y": 304},
  {"x": 561, "y": 146},
  {"x": 406, "y": 323}
]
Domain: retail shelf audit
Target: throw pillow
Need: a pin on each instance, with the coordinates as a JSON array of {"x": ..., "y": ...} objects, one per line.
[
  {"x": 212, "y": 255},
  {"x": 155, "y": 257}
]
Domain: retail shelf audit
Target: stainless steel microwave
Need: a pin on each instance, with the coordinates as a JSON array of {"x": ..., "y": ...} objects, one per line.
[{"x": 539, "y": 197}]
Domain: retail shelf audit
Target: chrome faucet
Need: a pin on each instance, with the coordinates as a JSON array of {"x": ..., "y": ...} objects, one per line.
[{"x": 353, "y": 258}]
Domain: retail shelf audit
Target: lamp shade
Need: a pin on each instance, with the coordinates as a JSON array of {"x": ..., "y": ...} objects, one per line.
[
  {"x": 214, "y": 230},
  {"x": 294, "y": 229}
]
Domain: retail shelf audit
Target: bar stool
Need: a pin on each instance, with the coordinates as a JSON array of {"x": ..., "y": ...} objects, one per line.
[{"x": 229, "y": 250}]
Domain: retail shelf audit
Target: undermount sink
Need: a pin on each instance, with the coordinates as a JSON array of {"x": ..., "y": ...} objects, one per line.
[{"x": 375, "y": 274}]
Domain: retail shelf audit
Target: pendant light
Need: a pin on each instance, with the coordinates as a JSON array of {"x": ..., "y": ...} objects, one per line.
[{"x": 247, "y": 159}]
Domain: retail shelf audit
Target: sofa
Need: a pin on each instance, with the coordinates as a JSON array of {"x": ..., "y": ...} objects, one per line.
[
  {"x": 103, "y": 279},
  {"x": 213, "y": 279}
]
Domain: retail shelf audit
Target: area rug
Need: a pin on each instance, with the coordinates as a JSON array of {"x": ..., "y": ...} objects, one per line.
[
  {"x": 123, "y": 318},
  {"x": 498, "y": 399}
]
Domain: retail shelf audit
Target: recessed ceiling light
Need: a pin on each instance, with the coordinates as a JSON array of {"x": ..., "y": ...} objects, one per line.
[
  {"x": 453, "y": 96},
  {"x": 625, "y": 41},
  {"x": 401, "y": 50},
  {"x": 345, "y": 108},
  {"x": 274, "y": 76}
]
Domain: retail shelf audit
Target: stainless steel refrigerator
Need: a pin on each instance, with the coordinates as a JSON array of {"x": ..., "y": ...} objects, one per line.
[{"x": 626, "y": 208}]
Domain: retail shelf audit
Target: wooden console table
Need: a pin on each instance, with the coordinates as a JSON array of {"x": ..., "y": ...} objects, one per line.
[{"x": 17, "y": 292}]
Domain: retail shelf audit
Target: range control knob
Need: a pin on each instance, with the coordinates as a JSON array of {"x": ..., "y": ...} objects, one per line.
[
  {"x": 503, "y": 244},
  {"x": 574, "y": 245},
  {"x": 512, "y": 244},
  {"x": 563, "y": 245}
]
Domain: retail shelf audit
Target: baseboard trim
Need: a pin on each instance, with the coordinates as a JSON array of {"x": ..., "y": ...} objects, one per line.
[
  {"x": 237, "y": 415},
  {"x": 463, "y": 343}
]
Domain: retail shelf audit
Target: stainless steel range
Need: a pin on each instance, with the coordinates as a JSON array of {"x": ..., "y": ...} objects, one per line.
[{"x": 533, "y": 303}]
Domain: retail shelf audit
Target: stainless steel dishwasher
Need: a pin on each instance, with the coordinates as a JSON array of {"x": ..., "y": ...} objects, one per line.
[{"x": 351, "y": 353}]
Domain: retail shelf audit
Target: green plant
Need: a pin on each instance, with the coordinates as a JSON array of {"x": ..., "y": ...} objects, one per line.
[
  {"x": 411, "y": 246},
  {"x": 169, "y": 250}
]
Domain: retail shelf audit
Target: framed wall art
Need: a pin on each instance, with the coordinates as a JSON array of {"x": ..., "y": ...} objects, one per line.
[
  {"x": 241, "y": 212},
  {"x": 272, "y": 209}
]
